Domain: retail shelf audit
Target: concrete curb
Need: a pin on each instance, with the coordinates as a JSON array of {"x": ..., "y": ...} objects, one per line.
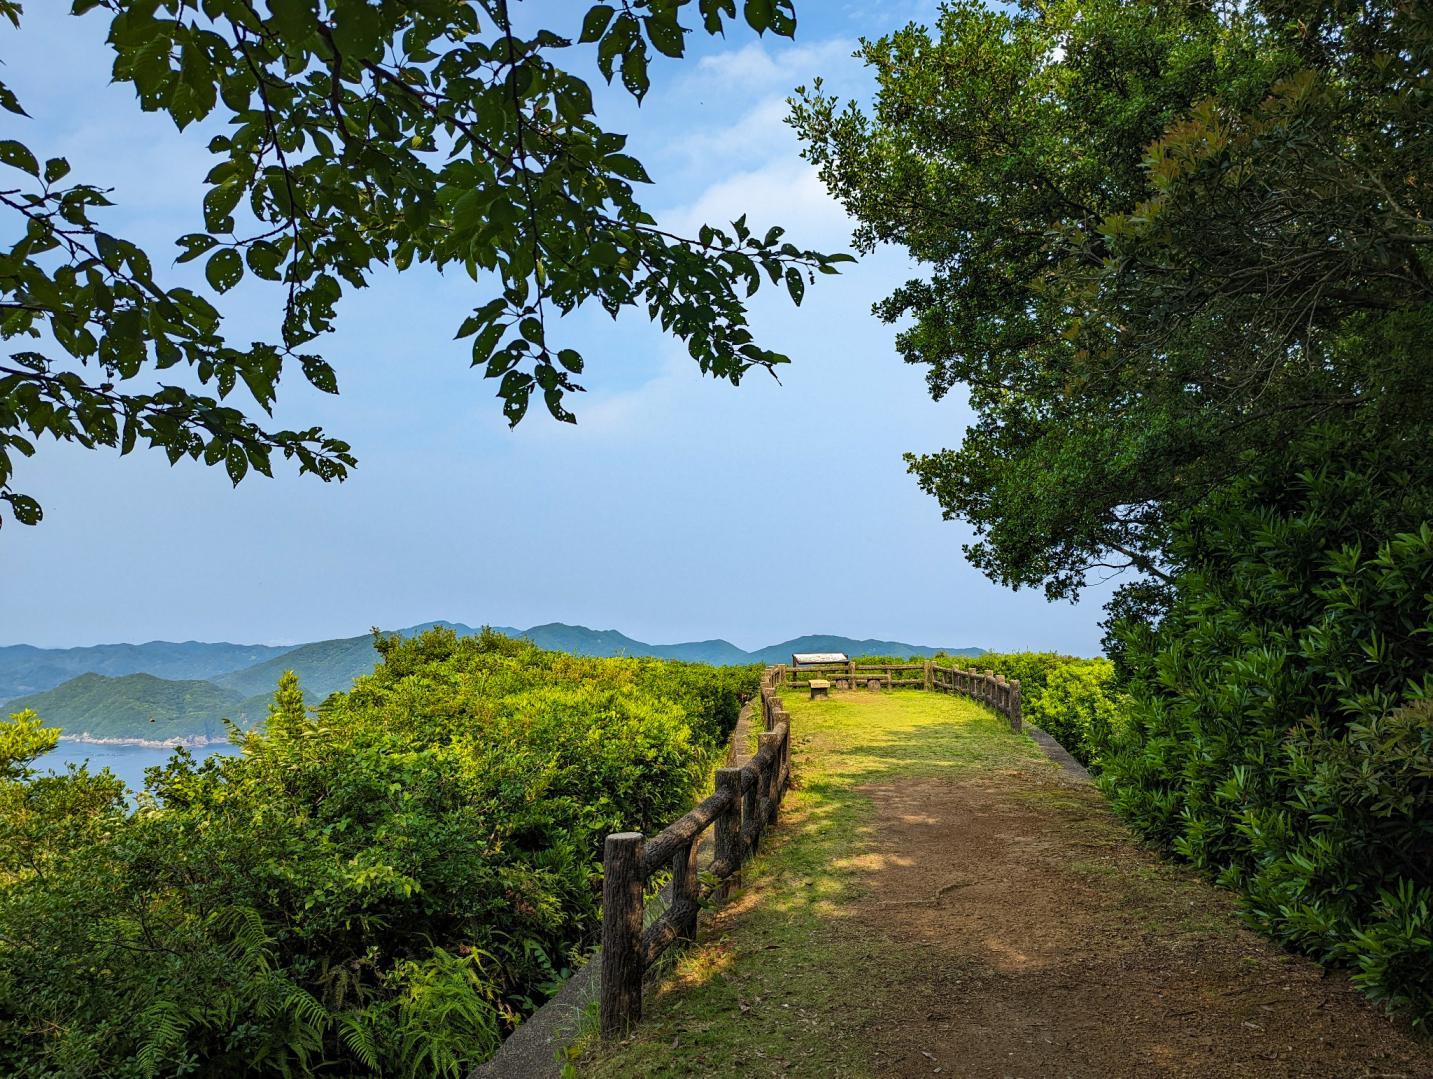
[{"x": 1059, "y": 754}]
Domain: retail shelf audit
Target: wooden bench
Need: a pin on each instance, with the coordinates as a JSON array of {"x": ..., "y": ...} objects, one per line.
[{"x": 820, "y": 687}]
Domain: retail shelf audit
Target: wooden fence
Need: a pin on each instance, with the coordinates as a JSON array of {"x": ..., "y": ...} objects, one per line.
[
  {"x": 986, "y": 687},
  {"x": 744, "y": 803}
]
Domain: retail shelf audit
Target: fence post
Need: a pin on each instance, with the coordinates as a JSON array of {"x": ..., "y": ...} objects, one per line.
[
  {"x": 686, "y": 890},
  {"x": 1017, "y": 712},
  {"x": 750, "y": 803},
  {"x": 925, "y": 676},
  {"x": 771, "y": 777},
  {"x": 783, "y": 756},
  {"x": 728, "y": 825},
  {"x": 622, "y": 966}
]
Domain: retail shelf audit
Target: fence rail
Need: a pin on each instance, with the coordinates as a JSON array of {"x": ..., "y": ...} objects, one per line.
[
  {"x": 745, "y": 801},
  {"x": 985, "y": 687}
]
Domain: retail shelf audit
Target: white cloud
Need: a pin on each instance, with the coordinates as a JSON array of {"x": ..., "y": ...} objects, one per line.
[
  {"x": 760, "y": 134},
  {"x": 755, "y": 66},
  {"x": 784, "y": 192}
]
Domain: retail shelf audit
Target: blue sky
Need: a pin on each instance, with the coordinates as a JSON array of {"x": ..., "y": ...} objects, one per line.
[{"x": 677, "y": 508}]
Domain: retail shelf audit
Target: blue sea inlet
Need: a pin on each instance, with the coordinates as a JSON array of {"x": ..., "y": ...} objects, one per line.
[{"x": 127, "y": 762}]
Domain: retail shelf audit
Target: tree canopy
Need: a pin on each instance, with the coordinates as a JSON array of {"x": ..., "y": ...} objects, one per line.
[
  {"x": 1183, "y": 233},
  {"x": 358, "y": 136}
]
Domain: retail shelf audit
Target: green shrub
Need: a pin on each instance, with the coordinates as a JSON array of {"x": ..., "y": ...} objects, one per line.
[
  {"x": 385, "y": 885},
  {"x": 1281, "y": 735},
  {"x": 1073, "y": 700}
]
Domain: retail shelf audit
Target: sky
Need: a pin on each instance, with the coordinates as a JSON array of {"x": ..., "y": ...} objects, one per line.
[{"x": 678, "y": 507}]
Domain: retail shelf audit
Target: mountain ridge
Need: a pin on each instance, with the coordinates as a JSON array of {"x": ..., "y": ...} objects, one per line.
[{"x": 144, "y": 705}]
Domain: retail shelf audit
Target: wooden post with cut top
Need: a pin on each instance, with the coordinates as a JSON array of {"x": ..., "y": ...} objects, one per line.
[{"x": 622, "y": 958}]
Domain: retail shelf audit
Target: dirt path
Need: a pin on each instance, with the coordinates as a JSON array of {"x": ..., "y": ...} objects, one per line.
[
  {"x": 946, "y": 902},
  {"x": 1056, "y": 947}
]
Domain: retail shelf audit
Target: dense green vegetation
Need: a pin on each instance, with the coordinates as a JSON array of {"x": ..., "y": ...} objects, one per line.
[
  {"x": 382, "y": 886},
  {"x": 1186, "y": 274},
  {"x": 1076, "y": 701},
  {"x": 1282, "y": 735},
  {"x": 140, "y": 706}
]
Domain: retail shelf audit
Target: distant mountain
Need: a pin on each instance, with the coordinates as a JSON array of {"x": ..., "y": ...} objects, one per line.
[
  {"x": 186, "y": 705},
  {"x": 581, "y": 641},
  {"x": 781, "y": 653},
  {"x": 138, "y": 706},
  {"x": 326, "y": 667},
  {"x": 27, "y": 669}
]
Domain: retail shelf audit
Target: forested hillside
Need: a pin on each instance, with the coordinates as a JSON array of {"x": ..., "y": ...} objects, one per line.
[
  {"x": 26, "y": 669},
  {"x": 383, "y": 888},
  {"x": 140, "y": 706}
]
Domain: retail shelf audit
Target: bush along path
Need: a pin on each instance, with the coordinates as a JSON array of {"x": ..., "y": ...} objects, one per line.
[{"x": 944, "y": 900}]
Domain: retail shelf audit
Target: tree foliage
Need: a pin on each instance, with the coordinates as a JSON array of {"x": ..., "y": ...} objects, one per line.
[
  {"x": 351, "y": 137},
  {"x": 1189, "y": 231},
  {"x": 383, "y": 884}
]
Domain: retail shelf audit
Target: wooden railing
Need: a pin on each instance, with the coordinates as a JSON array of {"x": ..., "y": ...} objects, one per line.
[
  {"x": 744, "y": 803},
  {"x": 852, "y": 674},
  {"x": 986, "y": 687}
]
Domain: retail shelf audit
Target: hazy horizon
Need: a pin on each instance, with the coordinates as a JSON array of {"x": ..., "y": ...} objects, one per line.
[{"x": 746, "y": 647}]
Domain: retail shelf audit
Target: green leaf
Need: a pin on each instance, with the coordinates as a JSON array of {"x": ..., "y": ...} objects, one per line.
[
  {"x": 595, "y": 22},
  {"x": 219, "y": 203},
  {"x": 758, "y": 14},
  {"x": 18, "y": 155},
  {"x": 224, "y": 269},
  {"x": 27, "y": 511},
  {"x": 9, "y": 102},
  {"x": 665, "y": 34},
  {"x": 358, "y": 30},
  {"x": 634, "y": 72},
  {"x": 795, "y": 284},
  {"x": 295, "y": 20},
  {"x": 320, "y": 374},
  {"x": 236, "y": 463},
  {"x": 195, "y": 244}
]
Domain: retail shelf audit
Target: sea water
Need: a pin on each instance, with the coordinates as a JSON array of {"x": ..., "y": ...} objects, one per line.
[{"x": 126, "y": 762}]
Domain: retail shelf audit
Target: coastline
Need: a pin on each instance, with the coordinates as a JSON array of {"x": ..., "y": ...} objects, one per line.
[{"x": 193, "y": 741}]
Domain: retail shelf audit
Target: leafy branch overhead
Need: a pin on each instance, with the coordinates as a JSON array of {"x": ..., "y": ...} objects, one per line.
[{"x": 359, "y": 135}]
